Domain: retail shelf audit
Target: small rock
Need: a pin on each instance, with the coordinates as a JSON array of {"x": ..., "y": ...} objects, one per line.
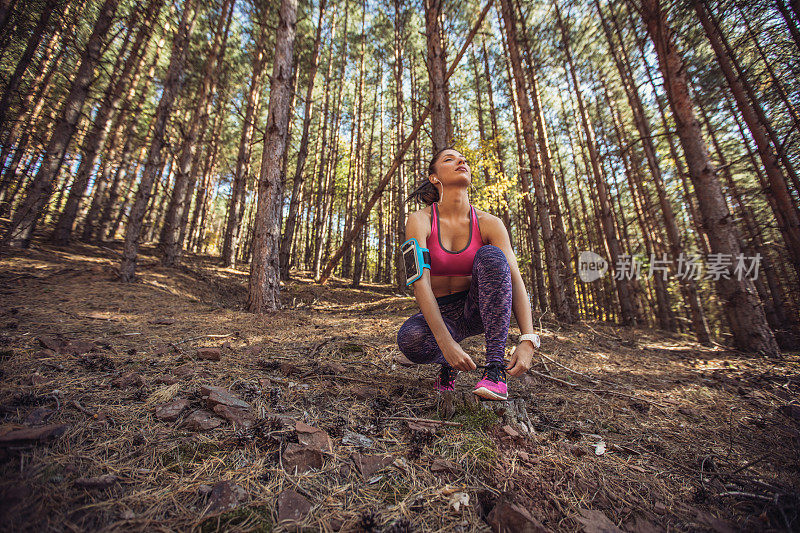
[
  {"x": 441, "y": 465},
  {"x": 77, "y": 348},
  {"x": 41, "y": 354},
  {"x": 511, "y": 432},
  {"x": 423, "y": 427},
  {"x": 209, "y": 354},
  {"x": 40, "y": 415},
  {"x": 332, "y": 367},
  {"x": 50, "y": 343},
  {"x": 303, "y": 457},
  {"x": 577, "y": 451},
  {"x": 509, "y": 516},
  {"x": 240, "y": 418},
  {"x": 219, "y": 395},
  {"x": 336, "y": 524},
  {"x": 315, "y": 437},
  {"x": 166, "y": 379},
  {"x": 287, "y": 369},
  {"x": 356, "y": 439},
  {"x": 254, "y": 350},
  {"x": 225, "y": 495},
  {"x": 292, "y": 507},
  {"x": 364, "y": 392},
  {"x": 129, "y": 379},
  {"x": 595, "y": 521},
  {"x": 524, "y": 456},
  {"x": 201, "y": 420},
  {"x": 204, "y": 490},
  {"x": 38, "y": 435},
  {"x": 96, "y": 483},
  {"x": 185, "y": 371},
  {"x": 170, "y": 411},
  {"x": 367, "y": 465}
]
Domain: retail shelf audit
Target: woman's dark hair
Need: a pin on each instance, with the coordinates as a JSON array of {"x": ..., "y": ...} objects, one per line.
[{"x": 426, "y": 192}]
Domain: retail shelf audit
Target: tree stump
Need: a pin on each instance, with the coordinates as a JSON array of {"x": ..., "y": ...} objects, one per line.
[{"x": 512, "y": 412}]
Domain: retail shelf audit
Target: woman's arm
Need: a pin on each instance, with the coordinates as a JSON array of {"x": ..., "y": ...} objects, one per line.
[
  {"x": 417, "y": 227},
  {"x": 521, "y": 358}
]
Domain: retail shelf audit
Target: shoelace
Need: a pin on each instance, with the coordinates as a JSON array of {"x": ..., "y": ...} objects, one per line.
[{"x": 493, "y": 372}]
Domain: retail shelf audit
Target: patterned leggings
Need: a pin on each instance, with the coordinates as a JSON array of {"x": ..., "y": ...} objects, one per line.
[{"x": 484, "y": 308}]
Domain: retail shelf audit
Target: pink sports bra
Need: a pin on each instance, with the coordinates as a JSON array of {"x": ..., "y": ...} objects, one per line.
[{"x": 447, "y": 263}]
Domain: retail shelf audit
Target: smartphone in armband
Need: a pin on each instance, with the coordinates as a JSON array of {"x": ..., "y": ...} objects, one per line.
[{"x": 415, "y": 259}]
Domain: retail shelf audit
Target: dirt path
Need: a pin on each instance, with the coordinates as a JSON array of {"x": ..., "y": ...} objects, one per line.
[{"x": 108, "y": 415}]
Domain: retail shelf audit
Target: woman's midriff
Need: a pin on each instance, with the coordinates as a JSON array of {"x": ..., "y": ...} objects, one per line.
[{"x": 444, "y": 285}]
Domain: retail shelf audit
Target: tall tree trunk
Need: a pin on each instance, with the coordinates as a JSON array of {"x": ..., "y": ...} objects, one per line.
[
  {"x": 19, "y": 134},
  {"x": 25, "y": 60},
  {"x": 264, "y": 284},
  {"x": 790, "y": 230},
  {"x": 96, "y": 138},
  {"x": 440, "y": 120},
  {"x": 239, "y": 187},
  {"x": 170, "y": 242},
  {"x": 98, "y": 223},
  {"x": 740, "y": 302},
  {"x": 172, "y": 85},
  {"x": 302, "y": 154},
  {"x": 318, "y": 236},
  {"x": 791, "y": 24},
  {"x": 441, "y": 123},
  {"x": 363, "y": 216},
  {"x": 688, "y": 286},
  {"x": 624, "y": 285},
  {"x": 38, "y": 192}
]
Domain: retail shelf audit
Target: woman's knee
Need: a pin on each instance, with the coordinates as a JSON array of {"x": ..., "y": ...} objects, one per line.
[
  {"x": 410, "y": 338},
  {"x": 491, "y": 257}
]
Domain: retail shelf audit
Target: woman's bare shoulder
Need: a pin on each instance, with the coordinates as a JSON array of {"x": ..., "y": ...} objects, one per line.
[
  {"x": 423, "y": 213},
  {"x": 484, "y": 216},
  {"x": 489, "y": 224}
]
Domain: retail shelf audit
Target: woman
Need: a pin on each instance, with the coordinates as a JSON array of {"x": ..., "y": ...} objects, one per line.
[{"x": 468, "y": 291}]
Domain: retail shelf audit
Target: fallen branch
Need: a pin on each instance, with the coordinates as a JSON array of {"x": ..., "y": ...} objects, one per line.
[
  {"x": 596, "y": 391},
  {"x": 425, "y": 420}
]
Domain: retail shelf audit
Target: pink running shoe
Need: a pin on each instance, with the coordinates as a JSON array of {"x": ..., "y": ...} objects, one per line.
[
  {"x": 493, "y": 384},
  {"x": 446, "y": 380}
]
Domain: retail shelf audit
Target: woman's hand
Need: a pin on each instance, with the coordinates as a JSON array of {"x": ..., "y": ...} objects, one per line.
[
  {"x": 520, "y": 359},
  {"x": 457, "y": 357}
]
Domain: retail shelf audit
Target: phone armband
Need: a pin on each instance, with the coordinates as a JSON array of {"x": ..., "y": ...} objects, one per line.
[{"x": 415, "y": 259}]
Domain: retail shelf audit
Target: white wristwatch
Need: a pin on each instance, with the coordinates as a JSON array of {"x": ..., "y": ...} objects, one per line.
[{"x": 533, "y": 337}]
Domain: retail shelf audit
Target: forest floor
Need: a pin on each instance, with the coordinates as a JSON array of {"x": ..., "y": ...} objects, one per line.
[{"x": 108, "y": 422}]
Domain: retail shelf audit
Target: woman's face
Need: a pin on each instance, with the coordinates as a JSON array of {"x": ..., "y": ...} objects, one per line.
[{"x": 452, "y": 169}]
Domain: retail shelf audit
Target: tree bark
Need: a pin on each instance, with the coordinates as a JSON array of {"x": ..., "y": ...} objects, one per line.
[
  {"x": 739, "y": 299},
  {"x": 441, "y": 123},
  {"x": 170, "y": 243},
  {"x": 676, "y": 245},
  {"x": 790, "y": 230},
  {"x": 302, "y": 154},
  {"x": 264, "y": 284},
  {"x": 25, "y": 60},
  {"x": 38, "y": 192},
  {"x": 96, "y": 138},
  {"x": 172, "y": 85},
  {"x": 362, "y": 218}
]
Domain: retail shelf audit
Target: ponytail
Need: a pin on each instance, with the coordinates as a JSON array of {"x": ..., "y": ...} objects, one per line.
[{"x": 426, "y": 191}]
